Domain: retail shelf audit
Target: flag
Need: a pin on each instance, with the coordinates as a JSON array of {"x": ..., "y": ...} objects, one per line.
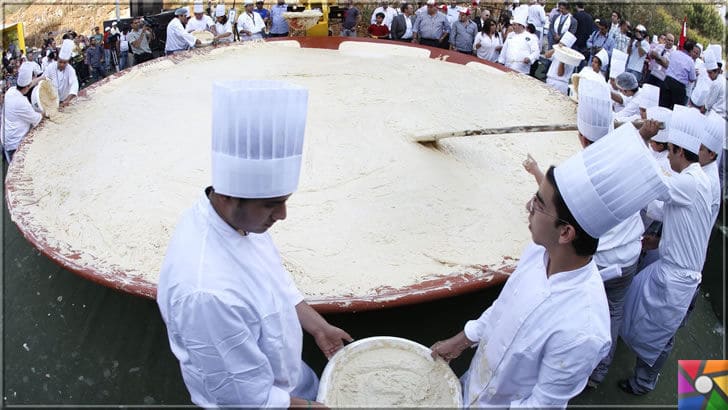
[{"x": 683, "y": 34}]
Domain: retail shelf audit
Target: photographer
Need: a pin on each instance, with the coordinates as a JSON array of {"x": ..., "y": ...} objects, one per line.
[
  {"x": 637, "y": 51},
  {"x": 139, "y": 38},
  {"x": 600, "y": 40}
]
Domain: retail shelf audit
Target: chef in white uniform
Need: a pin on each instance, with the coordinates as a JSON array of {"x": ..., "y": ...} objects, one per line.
[
  {"x": 62, "y": 75},
  {"x": 559, "y": 73},
  {"x": 594, "y": 70},
  {"x": 549, "y": 328},
  {"x": 711, "y": 146},
  {"x": 626, "y": 95},
  {"x": 223, "y": 29},
  {"x": 250, "y": 23},
  {"x": 715, "y": 97},
  {"x": 200, "y": 21},
  {"x": 652, "y": 215},
  {"x": 619, "y": 248},
  {"x": 234, "y": 316},
  {"x": 177, "y": 38},
  {"x": 660, "y": 295},
  {"x": 19, "y": 116},
  {"x": 521, "y": 48}
]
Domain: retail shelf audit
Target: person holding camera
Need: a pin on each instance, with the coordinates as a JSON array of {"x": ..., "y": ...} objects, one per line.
[
  {"x": 600, "y": 40},
  {"x": 637, "y": 49},
  {"x": 139, "y": 38}
]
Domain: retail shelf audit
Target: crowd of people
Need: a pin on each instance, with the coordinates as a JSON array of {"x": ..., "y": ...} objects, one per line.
[{"x": 619, "y": 247}]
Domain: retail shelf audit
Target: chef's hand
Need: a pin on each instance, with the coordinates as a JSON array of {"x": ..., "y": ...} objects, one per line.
[
  {"x": 197, "y": 42},
  {"x": 330, "y": 339},
  {"x": 297, "y": 402},
  {"x": 451, "y": 348},
  {"x": 650, "y": 242},
  {"x": 526, "y": 60},
  {"x": 649, "y": 129}
]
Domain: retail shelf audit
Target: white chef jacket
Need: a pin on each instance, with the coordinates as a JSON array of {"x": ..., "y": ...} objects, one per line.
[
  {"x": 253, "y": 23},
  {"x": 19, "y": 118},
  {"x": 658, "y": 299},
  {"x": 700, "y": 88},
  {"x": 177, "y": 38},
  {"x": 541, "y": 339},
  {"x": 630, "y": 108},
  {"x": 202, "y": 24},
  {"x": 388, "y": 16},
  {"x": 561, "y": 83},
  {"x": 229, "y": 307},
  {"x": 65, "y": 81},
  {"x": 711, "y": 171},
  {"x": 715, "y": 100},
  {"x": 516, "y": 48},
  {"x": 222, "y": 29},
  {"x": 620, "y": 247},
  {"x": 537, "y": 16}
]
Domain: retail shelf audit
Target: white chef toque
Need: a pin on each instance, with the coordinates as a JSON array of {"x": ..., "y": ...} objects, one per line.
[
  {"x": 687, "y": 126},
  {"x": 711, "y": 63},
  {"x": 257, "y": 137},
  {"x": 568, "y": 39},
  {"x": 25, "y": 74},
  {"x": 717, "y": 51},
  {"x": 197, "y": 7},
  {"x": 603, "y": 57},
  {"x": 520, "y": 16},
  {"x": 663, "y": 115},
  {"x": 219, "y": 10},
  {"x": 610, "y": 180},
  {"x": 66, "y": 49},
  {"x": 714, "y": 134},
  {"x": 594, "y": 117},
  {"x": 649, "y": 96}
]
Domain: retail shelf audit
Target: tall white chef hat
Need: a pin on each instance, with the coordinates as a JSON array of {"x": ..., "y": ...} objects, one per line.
[
  {"x": 603, "y": 57},
  {"x": 520, "y": 16},
  {"x": 257, "y": 137},
  {"x": 219, "y": 10},
  {"x": 717, "y": 51},
  {"x": 714, "y": 134},
  {"x": 568, "y": 39},
  {"x": 649, "y": 96},
  {"x": 686, "y": 128},
  {"x": 594, "y": 111},
  {"x": 25, "y": 74},
  {"x": 663, "y": 115},
  {"x": 66, "y": 49},
  {"x": 197, "y": 7},
  {"x": 609, "y": 181},
  {"x": 711, "y": 63}
]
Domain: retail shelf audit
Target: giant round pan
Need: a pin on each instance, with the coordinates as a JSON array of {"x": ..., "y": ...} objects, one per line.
[{"x": 24, "y": 198}]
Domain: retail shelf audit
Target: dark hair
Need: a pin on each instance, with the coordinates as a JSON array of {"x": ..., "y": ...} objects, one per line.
[
  {"x": 579, "y": 4},
  {"x": 487, "y": 25},
  {"x": 380, "y": 14},
  {"x": 531, "y": 28},
  {"x": 224, "y": 18},
  {"x": 689, "y": 155},
  {"x": 583, "y": 243},
  {"x": 66, "y": 36},
  {"x": 404, "y": 6},
  {"x": 563, "y": 3},
  {"x": 689, "y": 45},
  {"x": 619, "y": 15}
]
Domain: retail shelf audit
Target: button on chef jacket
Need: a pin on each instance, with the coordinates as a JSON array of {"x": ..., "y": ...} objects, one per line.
[
  {"x": 541, "y": 339},
  {"x": 177, "y": 38},
  {"x": 516, "y": 48},
  {"x": 229, "y": 306},
  {"x": 65, "y": 81}
]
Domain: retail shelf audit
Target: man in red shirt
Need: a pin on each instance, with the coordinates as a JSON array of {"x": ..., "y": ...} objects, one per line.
[
  {"x": 379, "y": 29},
  {"x": 107, "y": 50}
]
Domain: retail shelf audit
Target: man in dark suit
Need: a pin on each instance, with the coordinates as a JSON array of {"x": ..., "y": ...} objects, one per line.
[
  {"x": 585, "y": 26},
  {"x": 402, "y": 24},
  {"x": 480, "y": 20}
]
